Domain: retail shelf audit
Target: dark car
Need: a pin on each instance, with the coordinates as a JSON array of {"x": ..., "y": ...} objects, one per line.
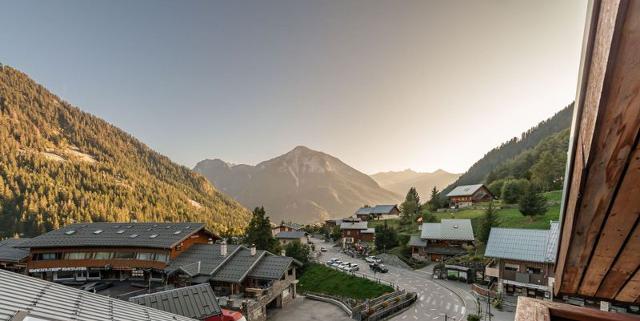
[{"x": 379, "y": 268}]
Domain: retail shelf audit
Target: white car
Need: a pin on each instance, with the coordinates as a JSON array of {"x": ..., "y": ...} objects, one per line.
[
  {"x": 344, "y": 266},
  {"x": 373, "y": 259},
  {"x": 369, "y": 259},
  {"x": 353, "y": 267}
]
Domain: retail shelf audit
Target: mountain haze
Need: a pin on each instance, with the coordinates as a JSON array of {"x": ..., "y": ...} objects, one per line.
[
  {"x": 302, "y": 185},
  {"x": 60, "y": 165},
  {"x": 400, "y": 182}
]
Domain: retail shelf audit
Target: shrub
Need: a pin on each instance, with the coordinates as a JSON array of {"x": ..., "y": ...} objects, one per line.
[{"x": 473, "y": 317}]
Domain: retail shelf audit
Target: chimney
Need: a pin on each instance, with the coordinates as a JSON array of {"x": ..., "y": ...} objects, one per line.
[
  {"x": 223, "y": 248},
  {"x": 253, "y": 249}
]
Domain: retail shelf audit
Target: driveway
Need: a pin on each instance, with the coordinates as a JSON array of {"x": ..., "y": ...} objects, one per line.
[
  {"x": 434, "y": 300},
  {"x": 309, "y": 310}
]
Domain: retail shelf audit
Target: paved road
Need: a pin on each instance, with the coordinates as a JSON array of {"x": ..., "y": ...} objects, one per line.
[
  {"x": 434, "y": 300},
  {"x": 308, "y": 310}
]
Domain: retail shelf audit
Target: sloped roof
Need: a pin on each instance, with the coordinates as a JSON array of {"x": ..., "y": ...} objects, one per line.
[
  {"x": 370, "y": 230},
  {"x": 383, "y": 209},
  {"x": 353, "y": 226},
  {"x": 464, "y": 190},
  {"x": 271, "y": 267},
  {"x": 55, "y": 302},
  {"x": 9, "y": 252},
  {"x": 524, "y": 244},
  {"x": 455, "y": 229},
  {"x": 238, "y": 267},
  {"x": 208, "y": 255},
  {"x": 152, "y": 235},
  {"x": 291, "y": 235},
  {"x": 415, "y": 240},
  {"x": 197, "y": 301},
  {"x": 364, "y": 211}
]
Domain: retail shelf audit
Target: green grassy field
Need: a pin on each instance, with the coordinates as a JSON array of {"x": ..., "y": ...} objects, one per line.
[{"x": 318, "y": 278}]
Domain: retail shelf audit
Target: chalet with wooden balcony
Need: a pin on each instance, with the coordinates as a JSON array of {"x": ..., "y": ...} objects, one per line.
[
  {"x": 353, "y": 232},
  {"x": 285, "y": 227},
  {"x": 467, "y": 195},
  {"x": 244, "y": 279},
  {"x": 292, "y": 236},
  {"x": 439, "y": 241},
  {"x": 12, "y": 257},
  {"x": 94, "y": 251},
  {"x": 524, "y": 260},
  {"x": 382, "y": 212}
]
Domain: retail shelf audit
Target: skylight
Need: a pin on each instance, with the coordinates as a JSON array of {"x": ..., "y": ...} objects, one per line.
[
  {"x": 133, "y": 236},
  {"x": 177, "y": 232},
  {"x": 70, "y": 232},
  {"x": 120, "y": 231},
  {"x": 153, "y": 236},
  {"x": 97, "y": 231}
]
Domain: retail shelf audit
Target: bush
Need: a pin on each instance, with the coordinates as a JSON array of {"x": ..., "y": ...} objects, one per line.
[
  {"x": 513, "y": 189},
  {"x": 473, "y": 317}
]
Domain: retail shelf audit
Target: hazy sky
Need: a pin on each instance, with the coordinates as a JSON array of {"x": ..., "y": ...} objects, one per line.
[{"x": 382, "y": 85}]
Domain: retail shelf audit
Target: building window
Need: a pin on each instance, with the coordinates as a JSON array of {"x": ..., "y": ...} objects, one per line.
[
  {"x": 144, "y": 256},
  {"x": 49, "y": 256},
  {"x": 77, "y": 256},
  {"x": 511, "y": 267},
  {"x": 161, "y": 257},
  {"x": 102, "y": 255},
  {"x": 125, "y": 255}
]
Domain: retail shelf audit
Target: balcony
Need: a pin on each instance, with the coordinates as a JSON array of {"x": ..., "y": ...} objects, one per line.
[{"x": 523, "y": 277}]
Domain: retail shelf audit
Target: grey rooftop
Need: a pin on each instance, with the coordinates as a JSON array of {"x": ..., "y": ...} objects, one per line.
[
  {"x": 464, "y": 190},
  {"x": 524, "y": 244},
  {"x": 55, "y": 302},
  {"x": 457, "y": 229},
  {"x": 197, "y": 301},
  {"x": 150, "y": 235},
  {"x": 10, "y": 252},
  {"x": 291, "y": 235}
]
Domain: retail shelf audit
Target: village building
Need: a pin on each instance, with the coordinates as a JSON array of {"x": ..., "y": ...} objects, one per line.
[
  {"x": 381, "y": 212},
  {"x": 196, "y": 302},
  {"x": 26, "y": 298},
  {"x": 439, "y": 241},
  {"x": 353, "y": 232},
  {"x": 467, "y": 195},
  {"x": 244, "y": 279},
  {"x": 285, "y": 227},
  {"x": 12, "y": 257},
  {"x": 336, "y": 222},
  {"x": 95, "y": 251},
  {"x": 524, "y": 260},
  {"x": 287, "y": 237}
]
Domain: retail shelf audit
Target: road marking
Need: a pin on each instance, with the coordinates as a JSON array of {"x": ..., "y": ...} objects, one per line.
[
  {"x": 404, "y": 316},
  {"x": 463, "y": 310},
  {"x": 415, "y": 317},
  {"x": 435, "y": 317},
  {"x": 448, "y": 305},
  {"x": 433, "y": 309},
  {"x": 456, "y": 308},
  {"x": 428, "y": 299}
]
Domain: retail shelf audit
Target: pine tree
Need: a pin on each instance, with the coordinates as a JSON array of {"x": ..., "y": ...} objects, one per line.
[
  {"x": 259, "y": 232},
  {"x": 434, "y": 201},
  {"x": 411, "y": 205},
  {"x": 532, "y": 203},
  {"x": 489, "y": 220},
  {"x": 298, "y": 251},
  {"x": 386, "y": 237}
]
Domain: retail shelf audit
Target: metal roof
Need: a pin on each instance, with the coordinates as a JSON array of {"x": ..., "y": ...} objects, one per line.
[
  {"x": 271, "y": 267},
  {"x": 383, "y": 209},
  {"x": 237, "y": 268},
  {"x": 524, "y": 244},
  {"x": 353, "y": 226},
  {"x": 152, "y": 235},
  {"x": 206, "y": 260},
  {"x": 371, "y": 230},
  {"x": 415, "y": 240},
  {"x": 291, "y": 235},
  {"x": 464, "y": 190},
  {"x": 9, "y": 252},
  {"x": 458, "y": 229},
  {"x": 197, "y": 301},
  {"x": 55, "y": 302},
  {"x": 364, "y": 211},
  {"x": 201, "y": 259}
]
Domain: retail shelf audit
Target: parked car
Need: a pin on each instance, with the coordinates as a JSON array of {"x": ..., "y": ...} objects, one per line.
[
  {"x": 322, "y": 249},
  {"x": 376, "y": 259},
  {"x": 379, "y": 268},
  {"x": 354, "y": 267}
]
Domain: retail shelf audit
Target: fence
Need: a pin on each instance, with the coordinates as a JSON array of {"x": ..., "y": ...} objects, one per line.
[{"x": 384, "y": 307}]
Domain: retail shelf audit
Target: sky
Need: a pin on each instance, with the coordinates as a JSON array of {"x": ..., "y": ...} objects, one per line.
[{"x": 382, "y": 85}]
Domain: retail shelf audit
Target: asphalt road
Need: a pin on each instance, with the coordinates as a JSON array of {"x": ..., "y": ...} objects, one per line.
[{"x": 434, "y": 300}]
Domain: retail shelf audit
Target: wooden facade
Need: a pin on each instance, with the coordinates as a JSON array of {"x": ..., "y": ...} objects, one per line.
[
  {"x": 481, "y": 195},
  {"x": 599, "y": 254},
  {"x": 354, "y": 235}
]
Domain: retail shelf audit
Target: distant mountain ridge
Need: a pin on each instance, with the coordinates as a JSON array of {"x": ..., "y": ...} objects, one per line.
[
  {"x": 60, "y": 165},
  {"x": 509, "y": 150},
  {"x": 400, "y": 182},
  {"x": 302, "y": 186}
]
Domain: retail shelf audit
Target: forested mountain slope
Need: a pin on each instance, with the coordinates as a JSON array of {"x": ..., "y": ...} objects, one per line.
[
  {"x": 499, "y": 156},
  {"x": 59, "y": 164}
]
